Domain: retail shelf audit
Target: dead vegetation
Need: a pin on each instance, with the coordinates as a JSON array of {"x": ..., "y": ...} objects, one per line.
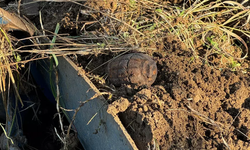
[{"x": 215, "y": 32}]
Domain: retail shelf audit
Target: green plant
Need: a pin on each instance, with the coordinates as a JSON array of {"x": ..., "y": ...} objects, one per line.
[{"x": 234, "y": 65}]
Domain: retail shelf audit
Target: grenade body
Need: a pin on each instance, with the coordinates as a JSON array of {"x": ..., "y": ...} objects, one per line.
[{"x": 134, "y": 69}]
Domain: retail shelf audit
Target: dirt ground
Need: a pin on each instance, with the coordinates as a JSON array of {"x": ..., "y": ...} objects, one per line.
[{"x": 191, "y": 105}]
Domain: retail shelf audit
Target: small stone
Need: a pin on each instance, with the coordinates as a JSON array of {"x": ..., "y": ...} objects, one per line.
[
  {"x": 140, "y": 110},
  {"x": 145, "y": 108},
  {"x": 118, "y": 106}
]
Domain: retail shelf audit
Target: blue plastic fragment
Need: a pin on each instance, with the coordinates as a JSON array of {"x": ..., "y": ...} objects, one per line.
[
  {"x": 41, "y": 82},
  {"x": 2, "y": 21}
]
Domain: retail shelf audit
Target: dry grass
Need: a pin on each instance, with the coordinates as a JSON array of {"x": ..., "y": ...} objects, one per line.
[
  {"x": 207, "y": 28},
  {"x": 8, "y": 78}
]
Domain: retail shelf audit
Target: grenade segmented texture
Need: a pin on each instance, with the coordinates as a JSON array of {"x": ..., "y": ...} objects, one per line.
[{"x": 132, "y": 69}]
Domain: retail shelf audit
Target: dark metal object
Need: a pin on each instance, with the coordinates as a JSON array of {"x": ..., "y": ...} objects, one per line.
[{"x": 134, "y": 69}]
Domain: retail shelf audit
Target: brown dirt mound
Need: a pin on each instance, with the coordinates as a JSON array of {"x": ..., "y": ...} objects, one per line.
[{"x": 190, "y": 106}]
